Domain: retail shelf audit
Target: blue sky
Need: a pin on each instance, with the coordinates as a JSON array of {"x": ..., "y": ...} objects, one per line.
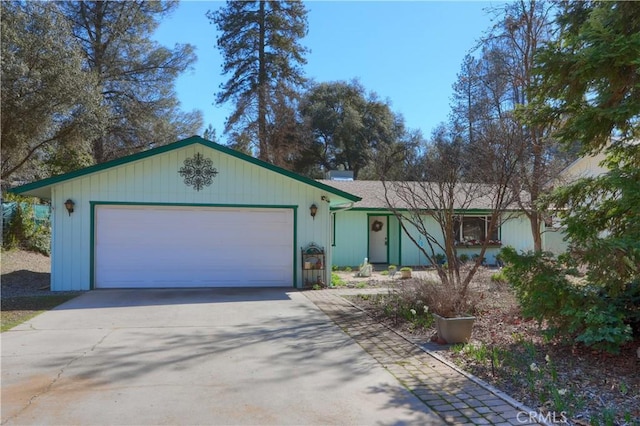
[{"x": 409, "y": 53}]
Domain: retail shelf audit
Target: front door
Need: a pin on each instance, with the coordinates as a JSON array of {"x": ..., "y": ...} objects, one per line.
[{"x": 378, "y": 235}]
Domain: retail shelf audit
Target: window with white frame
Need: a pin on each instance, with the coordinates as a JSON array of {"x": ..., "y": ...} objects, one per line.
[{"x": 473, "y": 230}]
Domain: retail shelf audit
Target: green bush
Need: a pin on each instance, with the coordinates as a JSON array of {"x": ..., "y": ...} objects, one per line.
[
  {"x": 336, "y": 281},
  {"x": 548, "y": 289},
  {"x": 23, "y": 231},
  {"x": 499, "y": 277}
]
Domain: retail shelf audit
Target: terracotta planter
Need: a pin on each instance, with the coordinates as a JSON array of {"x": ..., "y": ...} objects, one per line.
[
  {"x": 454, "y": 330},
  {"x": 405, "y": 274}
]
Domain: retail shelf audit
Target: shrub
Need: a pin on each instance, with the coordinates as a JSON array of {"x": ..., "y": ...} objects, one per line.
[
  {"x": 336, "y": 281},
  {"x": 23, "y": 231},
  {"x": 404, "y": 304},
  {"x": 445, "y": 300},
  {"x": 549, "y": 289},
  {"x": 499, "y": 277}
]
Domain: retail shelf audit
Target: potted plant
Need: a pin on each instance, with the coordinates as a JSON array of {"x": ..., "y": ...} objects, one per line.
[
  {"x": 439, "y": 229},
  {"x": 405, "y": 272},
  {"x": 451, "y": 310},
  {"x": 454, "y": 329}
]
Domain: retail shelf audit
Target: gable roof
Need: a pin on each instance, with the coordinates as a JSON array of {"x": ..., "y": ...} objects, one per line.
[
  {"x": 42, "y": 188},
  {"x": 372, "y": 194}
]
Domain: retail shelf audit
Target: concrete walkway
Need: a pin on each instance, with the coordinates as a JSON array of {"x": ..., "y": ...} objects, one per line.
[{"x": 459, "y": 398}]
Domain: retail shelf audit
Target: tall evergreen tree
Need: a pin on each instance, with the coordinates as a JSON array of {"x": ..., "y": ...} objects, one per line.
[
  {"x": 592, "y": 77},
  {"x": 259, "y": 41},
  {"x": 136, "y": 75},
  {"x": 591, "y": 72}
]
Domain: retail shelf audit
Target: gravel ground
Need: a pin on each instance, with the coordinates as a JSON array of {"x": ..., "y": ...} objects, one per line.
[{"x": 25, "y": 274}]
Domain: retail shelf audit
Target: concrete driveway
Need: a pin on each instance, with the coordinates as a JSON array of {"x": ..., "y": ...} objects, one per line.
[{"x": 214, "y": 356}]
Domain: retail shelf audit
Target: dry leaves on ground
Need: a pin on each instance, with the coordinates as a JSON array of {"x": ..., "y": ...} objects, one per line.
[{"x": 512, "y": 354}]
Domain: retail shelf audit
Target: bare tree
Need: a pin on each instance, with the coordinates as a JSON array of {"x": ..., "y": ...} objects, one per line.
[
  {"x": 434, "y": 205},
  {"x": 508, "y": 52}
]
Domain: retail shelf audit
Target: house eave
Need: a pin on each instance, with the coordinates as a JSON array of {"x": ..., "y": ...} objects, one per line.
[{"x": 42, "y": 188}]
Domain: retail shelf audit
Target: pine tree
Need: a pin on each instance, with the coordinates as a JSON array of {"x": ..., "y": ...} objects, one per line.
[
  {"x": 259, "y": 41},
  {"x": 135, "y": 74},
  {"x": 591, "y": 72}
]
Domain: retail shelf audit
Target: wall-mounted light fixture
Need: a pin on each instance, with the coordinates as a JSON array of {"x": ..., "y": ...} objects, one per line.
[
  {"x": 313, "y": 210},
  {"x": 69, "y": 204}
]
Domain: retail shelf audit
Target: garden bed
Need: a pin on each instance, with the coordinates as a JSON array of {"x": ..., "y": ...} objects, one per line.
[{"x": 512, "y": 354}]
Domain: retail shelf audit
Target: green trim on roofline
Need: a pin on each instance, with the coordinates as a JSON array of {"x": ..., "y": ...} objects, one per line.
[
  {"x": 94, "y": 204},
  {"x": 384, "y": 209},
  {"x": 177, "y": 145}
]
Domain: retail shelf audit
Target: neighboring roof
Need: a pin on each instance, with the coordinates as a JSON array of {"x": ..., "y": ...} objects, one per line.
[
  {"x": 373, "y": 198},
  {"x": 42, "y": 188},
  {"x": 587, "y": 166}
]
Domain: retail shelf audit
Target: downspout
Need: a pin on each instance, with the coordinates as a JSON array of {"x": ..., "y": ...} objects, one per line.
[{"x": 347, "y": 206}]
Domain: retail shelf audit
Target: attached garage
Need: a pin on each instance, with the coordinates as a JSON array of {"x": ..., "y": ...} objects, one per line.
[
  {"x": 168, "y": 246},
  {"x": 190, "y": 214}
]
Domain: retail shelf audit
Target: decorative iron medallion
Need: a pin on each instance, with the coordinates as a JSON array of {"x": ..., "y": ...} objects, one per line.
[{"x": 198, "y": 172}]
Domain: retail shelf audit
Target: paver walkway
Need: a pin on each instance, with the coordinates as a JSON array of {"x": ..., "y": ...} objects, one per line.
[{"x": 459, "y": 399}]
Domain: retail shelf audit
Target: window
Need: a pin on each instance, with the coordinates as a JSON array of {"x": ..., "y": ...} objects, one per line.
[{"x": 472, "y": 230}]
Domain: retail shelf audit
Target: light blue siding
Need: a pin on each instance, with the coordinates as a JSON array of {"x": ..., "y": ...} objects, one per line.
[
  {"x": 516, "y": 232},
  {"x": 553, "y": 241},
  {"x": 352, "y": 236},
  {"x": 155, "y": 179}
]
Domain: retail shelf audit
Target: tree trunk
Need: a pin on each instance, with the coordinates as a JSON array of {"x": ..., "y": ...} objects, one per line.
[
  {"x": 538, "y": 169},
  {"x": 534, "y": 220},
  {"x": 263, "y": 148}
]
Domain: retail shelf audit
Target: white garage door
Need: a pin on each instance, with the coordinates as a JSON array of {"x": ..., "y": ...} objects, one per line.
[{"x": 138, "y": 247}]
